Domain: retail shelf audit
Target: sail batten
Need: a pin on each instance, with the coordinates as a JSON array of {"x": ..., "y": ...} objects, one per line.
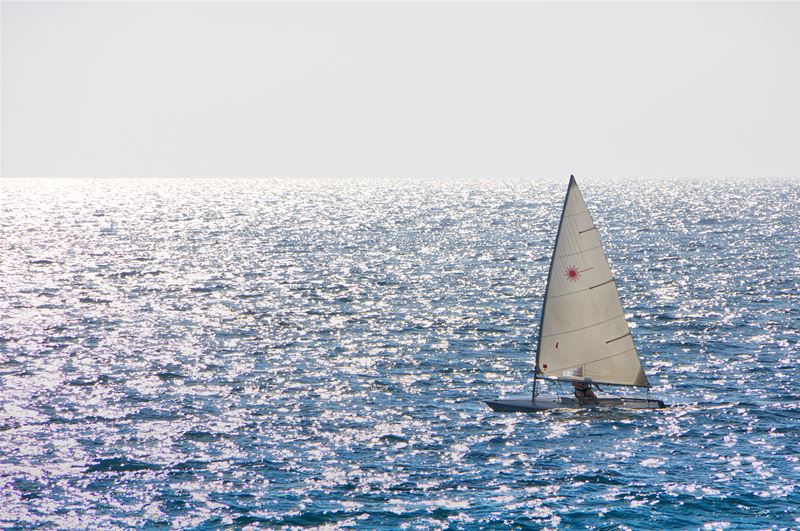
[{"x": 583, "y": 333}]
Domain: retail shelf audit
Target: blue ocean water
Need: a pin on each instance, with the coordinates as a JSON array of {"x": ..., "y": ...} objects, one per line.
[{"x": 266, "y": 353}]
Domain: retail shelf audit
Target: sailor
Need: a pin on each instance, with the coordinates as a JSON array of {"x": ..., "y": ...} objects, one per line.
[{"x": 584, "y": 393}]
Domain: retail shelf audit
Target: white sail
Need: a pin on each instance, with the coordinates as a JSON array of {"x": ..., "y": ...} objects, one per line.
[{"x": 583, "y": 334}]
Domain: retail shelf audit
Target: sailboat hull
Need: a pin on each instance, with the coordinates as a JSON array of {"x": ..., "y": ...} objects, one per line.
[
  {"x": 525, "y": 405},
  {"x": 584, "y": 335}
]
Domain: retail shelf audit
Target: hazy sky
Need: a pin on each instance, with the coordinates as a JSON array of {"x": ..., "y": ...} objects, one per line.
[{"x": 400, "y": 89}]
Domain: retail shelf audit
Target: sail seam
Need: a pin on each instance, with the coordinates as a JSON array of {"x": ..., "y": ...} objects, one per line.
[
  {"x": 580, "y": 252},
  {"x": 578, "y": 213},
  {"x": 585, "y": 327},
  {"x": 592, "y": 361},
  {"x": 612, "y": 355},
  {"x": 587, "y": 230},
  {"x": 580, "y": 290}
]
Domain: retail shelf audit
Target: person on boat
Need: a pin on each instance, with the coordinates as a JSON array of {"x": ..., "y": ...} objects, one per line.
[{"x": 584, "y": 393}]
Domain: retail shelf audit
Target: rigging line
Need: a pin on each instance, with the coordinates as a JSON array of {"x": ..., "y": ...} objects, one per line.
[{"x": 585, "y": 327}]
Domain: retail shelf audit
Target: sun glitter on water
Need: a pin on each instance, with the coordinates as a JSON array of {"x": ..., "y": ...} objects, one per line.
[{"x": 288, "y": 353}]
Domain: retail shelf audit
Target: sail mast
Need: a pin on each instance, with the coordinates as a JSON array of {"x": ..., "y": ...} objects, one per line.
[{"x": 547, "y": 287}]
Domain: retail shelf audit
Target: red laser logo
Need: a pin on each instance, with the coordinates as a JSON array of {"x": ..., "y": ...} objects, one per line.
[{"x": 574, "y": 274}]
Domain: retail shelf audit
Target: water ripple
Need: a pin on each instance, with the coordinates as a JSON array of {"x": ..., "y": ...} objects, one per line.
[{"x": 294, "y": 352}]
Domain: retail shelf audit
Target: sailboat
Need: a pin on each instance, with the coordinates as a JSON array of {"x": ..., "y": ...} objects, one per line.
[{"x": 584, "y": 338}]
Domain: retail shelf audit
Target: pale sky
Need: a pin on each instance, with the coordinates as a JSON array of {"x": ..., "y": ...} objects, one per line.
[{"x": 384, "y": 89}]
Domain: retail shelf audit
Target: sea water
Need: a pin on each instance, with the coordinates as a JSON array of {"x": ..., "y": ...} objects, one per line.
[{"x": 205, "y": 353}]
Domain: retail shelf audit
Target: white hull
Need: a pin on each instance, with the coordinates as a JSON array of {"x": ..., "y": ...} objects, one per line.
[{"x": 544, "y": 403}]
